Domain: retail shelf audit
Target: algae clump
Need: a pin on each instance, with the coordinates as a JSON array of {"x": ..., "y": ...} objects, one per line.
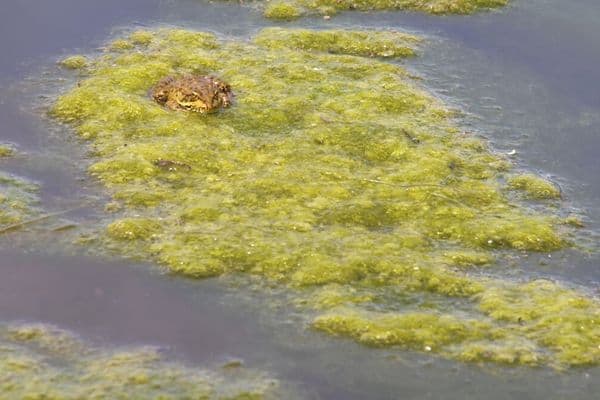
[
  {"x": 141, "y": 37},
  {"x": 18, "y": 199},
  {"x": 282, "y": 10},
  {"x": 426, "y": 331},
  {"x": 562, "y": 320},
  {"x": 332, "y": 175},
  {"x": 121, "y": 45},
  {"x": 133, "y": 228},
  {"x": 41, "y": 361},
  {"x": 6, "y": 151},
  {"x": 74, "y": 62},
  {"x": 372, "y": 44},
  {"x": 291, "y": 9},
  {"x": 534, "y": 187}
]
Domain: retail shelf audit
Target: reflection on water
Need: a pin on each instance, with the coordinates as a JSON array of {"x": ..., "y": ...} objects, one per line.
[{"x": 526, "y": 78}]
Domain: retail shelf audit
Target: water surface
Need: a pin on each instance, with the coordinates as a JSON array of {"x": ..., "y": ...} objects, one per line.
[{"x": 526, "y": 78}]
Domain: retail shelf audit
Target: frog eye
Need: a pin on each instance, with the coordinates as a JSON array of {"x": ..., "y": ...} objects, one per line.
[{"x": 161, "y": 97}]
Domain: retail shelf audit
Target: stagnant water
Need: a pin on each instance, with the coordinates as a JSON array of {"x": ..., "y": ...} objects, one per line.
[{"x": 526, "y": 78}]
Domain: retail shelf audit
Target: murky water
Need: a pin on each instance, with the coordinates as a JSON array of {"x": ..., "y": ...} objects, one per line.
[{"x": 526, "y": 78}]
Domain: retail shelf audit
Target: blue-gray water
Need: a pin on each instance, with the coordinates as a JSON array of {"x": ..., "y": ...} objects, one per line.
[{"x": 526, "y": 77}]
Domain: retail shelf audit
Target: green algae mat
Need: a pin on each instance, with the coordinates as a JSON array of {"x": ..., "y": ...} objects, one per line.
[
  {"x": 333, "y": 175},
  {"x": 43, "y": 362},
  {"x": 292, "y": 9}
]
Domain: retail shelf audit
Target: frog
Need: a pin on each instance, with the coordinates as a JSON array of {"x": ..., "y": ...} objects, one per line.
[
  {"x": 171, "y": 165},
  {"x": 201, "y": 94}
]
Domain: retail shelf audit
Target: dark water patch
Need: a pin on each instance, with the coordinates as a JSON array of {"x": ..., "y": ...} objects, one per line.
[
  {"x": 197, "y": 321},
  {"x": 33, "y": 31},
  {"x": 119, "y": 302}
]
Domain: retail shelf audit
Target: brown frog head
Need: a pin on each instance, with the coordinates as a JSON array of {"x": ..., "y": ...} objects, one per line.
[{"x": 203, "y": 94}]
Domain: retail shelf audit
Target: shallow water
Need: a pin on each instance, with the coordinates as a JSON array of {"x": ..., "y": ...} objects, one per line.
[{"x": 526, "y": 78}]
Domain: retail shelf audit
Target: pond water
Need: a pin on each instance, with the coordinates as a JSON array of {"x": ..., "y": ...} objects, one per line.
[{"x": 526, "y": 78}]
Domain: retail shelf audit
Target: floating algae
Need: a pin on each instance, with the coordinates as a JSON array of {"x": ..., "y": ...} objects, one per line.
[
  {"x": 6, "y": 151},
  {"x": 18, "y": 200},
  {"x": 335, "y": 176},
  {"x": 74, "y": 62},
  {"x": 370, "y": 44},
  {"x": 292, "y": 9},
  {"x": 43, "y": 362},
  {"x": 282, "y": 10},
  {"x": 534, "y": 187}
]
